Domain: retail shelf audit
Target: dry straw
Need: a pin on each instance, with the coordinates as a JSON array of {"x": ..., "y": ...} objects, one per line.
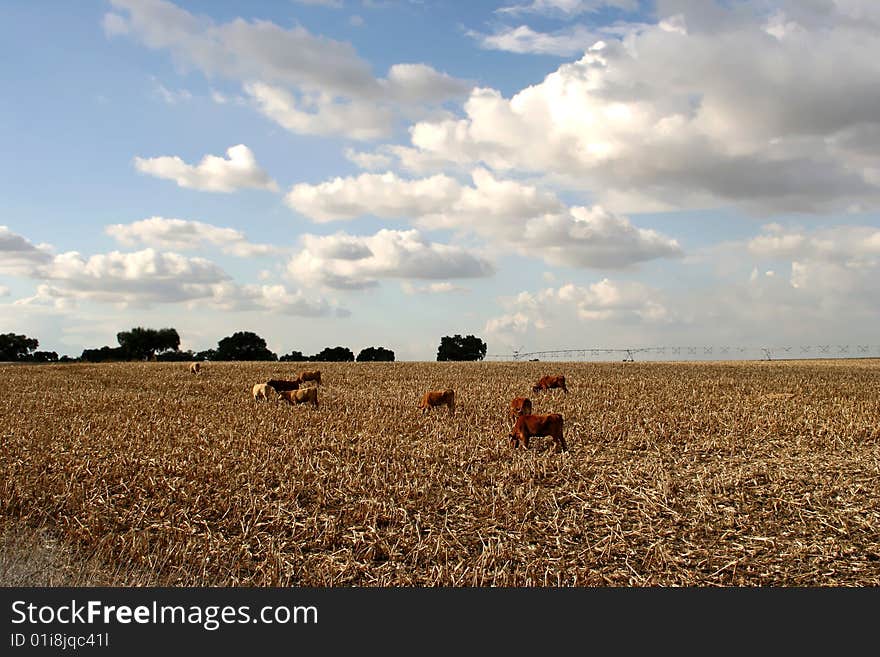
[{"x": 677, "y": 475}]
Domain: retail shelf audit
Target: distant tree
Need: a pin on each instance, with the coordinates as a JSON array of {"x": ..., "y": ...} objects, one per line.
[
  {"x": 244, "y": 345},
  {"x": 375, "y": 354},
  {"x": 334, "y": 355},
  {"x": 66, "y": 359},
  {"x": 103, "y": 355},
  {"x": 44, "y": 357},
  {"x": 143, "y": 343},
  {"x": 295, "y": 357},
  {"x": 459, "y": 348},
  {"x": 176, "y": 356},
  {"x": 207, "y": 354},
  {"x": 16, "y": 347}
]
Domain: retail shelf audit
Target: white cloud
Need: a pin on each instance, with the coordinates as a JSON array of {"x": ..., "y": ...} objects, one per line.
[
  {"x": 568, "y": 8},
  {"x": 431, "y": 288},
  {"x": 169, "y": 96},
  {"x": 20, "y": 257},
  {"x": 320, "y": 113},
  {"x": 213, "y": 174},
  {"x": 344, "y": 261},
  {"x": 370, "y": 161},
  {"x": 180, "y": 234},
  {"x": 307, "y": 83},
  {"x": 702, "y": 109},
  {"x": 508, "y": 213},
  {"x": 331, "y": 4},
  {"x": 523, "y": 39},
  {"x": 4, "y": 291},
  {"x": 384, "y": 195}
]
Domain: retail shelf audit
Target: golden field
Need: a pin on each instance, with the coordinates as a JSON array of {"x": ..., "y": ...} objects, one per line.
[{"x": 677, "y": 474}]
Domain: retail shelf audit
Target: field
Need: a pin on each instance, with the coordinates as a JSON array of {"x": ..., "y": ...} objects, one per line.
[{"x": 677, "y": 474}]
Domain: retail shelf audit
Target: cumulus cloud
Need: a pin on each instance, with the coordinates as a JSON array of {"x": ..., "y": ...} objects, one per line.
[
  {"x": 568, "y": 8},
  {"x": 556, "y": 309},
  {"x": 239, "y": 170},
  {"x": 523, "y": 39},
  {"x": 383, "y": 195},
  {"x": 431, "y": 288},
  {"x": 180, "y": 234},
  {"x": 344, "y": 261},
  {"x": 149, "y": 277},
  {"x": 20, "y": 257},
  {"x": 305, "y": 82},
  {"x": 712, "y": 105},
  {"x": 509, "y": 213}
]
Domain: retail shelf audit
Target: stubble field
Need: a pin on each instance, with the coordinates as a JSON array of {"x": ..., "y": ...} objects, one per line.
[{"x": 700, "y": 474}]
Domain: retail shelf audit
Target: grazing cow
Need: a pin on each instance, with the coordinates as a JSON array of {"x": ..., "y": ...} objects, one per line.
[
  {"x": 311, "y": 376},
  {"x": 263, "y": 391},
  {"x": 195, "y": 368},
  {"x": 438, "y": 398},
  {"x": 538, "y": 425},
  {"x": 520, "y": 406},
  {"x": 547, "y": 382},
  {"x": 301, "y": 396},
  {"x": 280, "y": 385}
]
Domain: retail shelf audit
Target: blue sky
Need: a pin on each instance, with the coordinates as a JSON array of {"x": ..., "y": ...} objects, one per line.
[{"x": 549, "y": 174}]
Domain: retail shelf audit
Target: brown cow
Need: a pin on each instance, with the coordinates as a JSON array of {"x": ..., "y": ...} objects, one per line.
[
  {"x": 311, "y": 376},
  {"x": 438, "y": 398},
  {"x": 305, "y": 395},
  {"x": 195, "y": 368},
  {"x": 538, "y": 425},
  {"x": 280, "y": 385},
  {"x": 520, "y": 406},
  {"x": 547, "y": 382}
]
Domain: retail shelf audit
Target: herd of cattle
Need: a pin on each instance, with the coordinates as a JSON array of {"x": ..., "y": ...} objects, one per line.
[{"x": 526, "y": 425}]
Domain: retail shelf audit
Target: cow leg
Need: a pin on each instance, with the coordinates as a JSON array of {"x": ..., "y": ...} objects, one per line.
[{"x": 560, "y": 443}]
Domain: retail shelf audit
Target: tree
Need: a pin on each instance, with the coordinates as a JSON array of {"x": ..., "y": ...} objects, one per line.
[
  {"x": 16, "y": 347},
  {"x": 207, "y": 354},
  {"x": 44, "y": 357},
  {"x": 375, "y": 354},
  {"x": 334, "y": 355},
  {"x": 295, "y": 357},
  {"x": 103, "y": 355},
  {"x": 143, "y": 343},
  {"x": 459, "y": 348},
  {"x": 244, "y": 345}
]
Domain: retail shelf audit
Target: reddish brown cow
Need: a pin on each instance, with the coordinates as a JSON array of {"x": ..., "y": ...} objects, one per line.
[
  {"x": 538, "y": 425},
  {"x": 280, "y": 385},
  {"x": 302, "y": 396},
  {"x": 547, "y": 382},
  {"x": 438, "y": 398},
  {"x": 311, "y": 376},
  {"x": 520, "y": 406}
]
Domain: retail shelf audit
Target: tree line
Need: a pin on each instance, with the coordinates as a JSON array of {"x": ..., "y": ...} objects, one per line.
[{"x": 163, "y": 344}]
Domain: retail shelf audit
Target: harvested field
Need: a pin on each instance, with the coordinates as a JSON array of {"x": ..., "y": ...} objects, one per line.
[{"x": 677, "y": 474}]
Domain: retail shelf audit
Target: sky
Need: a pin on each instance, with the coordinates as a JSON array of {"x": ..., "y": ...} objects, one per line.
[{"x": 548, "y": 174}]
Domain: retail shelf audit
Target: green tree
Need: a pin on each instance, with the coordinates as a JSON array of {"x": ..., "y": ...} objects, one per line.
[
  {"x": 143, "y": 343},
  {"x": 244, "y": 345},
  {"x": 459, "y": 348},
  {"x": 294, "y": 357},
  {"x": 375, "y": 354},
  {"x": 16, "y": 347},
  {"x": 334, "y": 355}
]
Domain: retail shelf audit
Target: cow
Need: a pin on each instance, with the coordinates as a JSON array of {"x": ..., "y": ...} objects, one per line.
[
  {"x": 195, "y": 368},
  {"x": 547, "y": 382},
  {"x": 311, "y": 376},
  {"x": 280, "y": 385},
  {"x": 538, "y": 425},
  {"x": 438, "y": 398},
  {"x": 263, "y": 391},
  {"x": 302, "y": 396},
  {"x": 520, "y": 406}
]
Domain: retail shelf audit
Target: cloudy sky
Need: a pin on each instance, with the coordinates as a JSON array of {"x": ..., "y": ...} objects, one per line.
[{"x": 545, "y": 174}]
